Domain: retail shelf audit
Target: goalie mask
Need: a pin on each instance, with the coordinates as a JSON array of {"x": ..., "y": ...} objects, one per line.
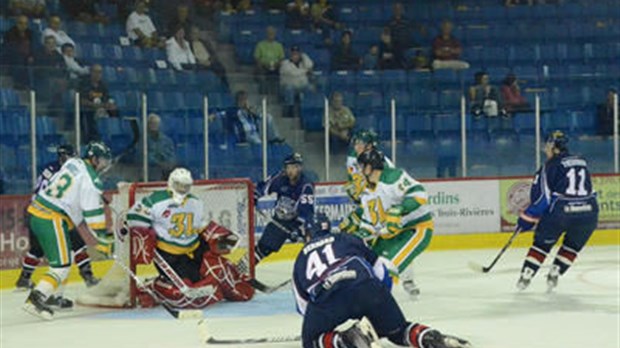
[
  {"x": 220, "y": 239},
  {"x": 179, "y": 183}
]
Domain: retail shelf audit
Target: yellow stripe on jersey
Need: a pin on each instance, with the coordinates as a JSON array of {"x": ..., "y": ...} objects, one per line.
[
  {"x": 63, "y": 251},
  {"x": 408, "y": 248},
  {"x": 97, "y": 226},
  {"x": 177, "y": 249},
  {"x": 44, "y": 213}
]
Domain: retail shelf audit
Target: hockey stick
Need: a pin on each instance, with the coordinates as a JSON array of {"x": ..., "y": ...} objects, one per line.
[
  {"x": 275, "y": 339},
  {"x": 479, "y": 268},
  {"x": 264, "y": 288},
  {"x": 177, "y": 313},
  {"x": 203, "y": 291}
]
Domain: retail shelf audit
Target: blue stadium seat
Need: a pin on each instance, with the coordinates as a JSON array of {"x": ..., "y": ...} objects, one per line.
[
  {"x": 368, "y": 80},
  {"x": 394, "y": 81},
  {"x": 155, "y": 101},
  {"x": 450, "y": 100},
  {"x": 371, "y": 14},
  {"x": 368, "y": 35},
  {"x": 419, "y": 125},
  {"x": 347, "y": 14},
  {"x": 295, "y": 37},
  {"x": 524, "y": 123},
  {"x": 446, "y": 123},
  {"x": 342, "y": 81},
  {"x": 369, "y": 101},
  {"x": 425, "y": 99},
  {"x": 584, "y": 121}
]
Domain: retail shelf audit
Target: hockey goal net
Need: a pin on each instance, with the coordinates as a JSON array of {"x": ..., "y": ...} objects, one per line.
[{"x": 228, "y": 202}]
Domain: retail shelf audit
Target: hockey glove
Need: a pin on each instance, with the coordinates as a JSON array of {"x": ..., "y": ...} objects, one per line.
[
  {"x": 526, "y": 222},
  {"x": 365, "y": 231},
  {"x": 105, "y": 244},
  {"x": 393, "y": 222},
  {"x": 355, "y": 187},
  {"x": 350, "y": 223}
]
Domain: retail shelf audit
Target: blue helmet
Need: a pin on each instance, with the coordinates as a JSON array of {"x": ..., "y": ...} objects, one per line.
[
  {"x": 559, "y": 140},
  {"x": 319, "y": 226},
  {"x": 294, "y": 158}
]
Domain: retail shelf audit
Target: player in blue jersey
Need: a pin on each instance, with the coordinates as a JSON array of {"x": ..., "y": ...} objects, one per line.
[
  {"x": 294, "y": 205},
  {"x": 34, "y": 255},
  {"x": 562, "y": 201},
  {"x": 337, "y": 277}
]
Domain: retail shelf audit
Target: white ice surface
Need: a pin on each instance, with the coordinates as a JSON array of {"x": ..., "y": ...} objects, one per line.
[{"x": 584, "y": 312}]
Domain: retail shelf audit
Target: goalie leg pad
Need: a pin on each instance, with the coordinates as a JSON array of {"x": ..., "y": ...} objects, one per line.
[
  {"x": 170, "y": 294},
  {"x": 218, "y": 270}
]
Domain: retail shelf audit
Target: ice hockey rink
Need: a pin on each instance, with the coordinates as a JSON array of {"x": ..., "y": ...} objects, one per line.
[{"x": 583, "y": 312}]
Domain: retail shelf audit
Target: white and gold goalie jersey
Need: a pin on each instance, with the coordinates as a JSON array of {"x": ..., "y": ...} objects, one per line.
[
  {"x": 75, "y": 191},
  {"x": 177, "y": 226}
]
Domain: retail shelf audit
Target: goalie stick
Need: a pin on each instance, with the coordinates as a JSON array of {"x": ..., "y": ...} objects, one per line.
[
  {"x": 275, "y": 339},
  {"x": 479, "y": 268},
  {"x": 177, "y": 313}
]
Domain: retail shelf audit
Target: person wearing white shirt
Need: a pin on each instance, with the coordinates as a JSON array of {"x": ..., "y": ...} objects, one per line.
[
  {"x": 140, "y": 27},
  {"x": 60, "y": 35},
  {"x": 294, "y": 74},
  {"x": 75, "y": 69},
  {"x": 178, "y": 50}
]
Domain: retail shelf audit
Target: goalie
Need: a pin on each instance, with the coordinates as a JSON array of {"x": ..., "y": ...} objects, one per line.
[{"x": 188, "y": 253}]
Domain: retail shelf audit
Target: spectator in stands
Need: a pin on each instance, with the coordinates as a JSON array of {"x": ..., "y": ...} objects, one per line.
[
  {"x": 18, "y": 51},
  {"x": 50, "y": 74},
  {"x": 275, "y": 4},
  {"x": 298, "y": 14},
  {"x": 324, "y": 19},
  {"x": 518, "y": 2},
  {"x": 30, "y": 8},
  {"x": 447, "y": 49},
  {"x": 343, "y": 56},
  {"x": 162, "y": 157},
  {"x": 341, "y": 120},
  {"x": 74, "y": 68},
  {"x": 83, "y": 10},
  {"x": 387, "y": 52},
  {"x": 401, "y": 32},
  {"x": 605, "y": 113},
  {"x": 205, "y": 55},
  {"x": 371, "y": 58},
  {"x": 179, "y": 52},
  {"x": 294, "y": 77},
  {"x": 95, "y": 102},
  {"x": 244, "y": 123},
  {"x": 59, "y": 35},
  {"x": 140, "y": 27},
  {"x": 511, "y": 95},
  {"x": 268, "y": 54},
  {"x": 181, "y": 19},
  {"x": 485, "y": 99},
  {"x": 234, "y": 6},
  {"x": 205, "y": 10}
]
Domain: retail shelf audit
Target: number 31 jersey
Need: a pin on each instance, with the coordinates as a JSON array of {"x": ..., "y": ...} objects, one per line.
[
  {"x": 75, "y": 190},
  {"x": 177, "y": 226}
]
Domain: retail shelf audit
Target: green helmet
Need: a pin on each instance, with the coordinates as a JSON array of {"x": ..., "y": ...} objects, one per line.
[
  {"x": 98, "y": 149},
  {"x": 366, "y": 136}
]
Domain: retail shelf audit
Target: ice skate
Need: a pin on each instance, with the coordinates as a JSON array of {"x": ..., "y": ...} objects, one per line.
[
  {"x": 37, "y": 306},
  {"x": 59, "y": 303},
  {"x": 435, "y": 339},
  {"x": 552, "y": 278},
  {"x": 89, "y": 279},
  {"x": 24, "y": 282},
  {"x": 411, "y": 288},
  {"x": 523, "y": 283},
  {"x": 360, "y": 335}
]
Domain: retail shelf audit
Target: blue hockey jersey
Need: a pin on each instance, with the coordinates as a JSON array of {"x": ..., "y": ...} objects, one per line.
[
  {"x": 300, "y": 195},
  {"x": 332, "y": 262},
  {"x": 563, "y": 178},
  {"x": 46, "y": 174}
]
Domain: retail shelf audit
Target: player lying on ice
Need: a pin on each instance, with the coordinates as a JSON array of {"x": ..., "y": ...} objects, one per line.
[
  {"x": 170, "y": 225},
  {"x": 336, "y": 278}
]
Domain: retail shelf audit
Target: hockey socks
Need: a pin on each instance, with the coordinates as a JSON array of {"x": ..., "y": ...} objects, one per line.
[
  {"x": 564, "y": 259},
  {"x": 29, "y": 263},
  {"x": 534, "y": 259},
  {"x": 82, "y": 260}
]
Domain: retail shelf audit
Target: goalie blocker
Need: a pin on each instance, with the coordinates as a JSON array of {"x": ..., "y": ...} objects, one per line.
[{"x": 207, "y": 269}]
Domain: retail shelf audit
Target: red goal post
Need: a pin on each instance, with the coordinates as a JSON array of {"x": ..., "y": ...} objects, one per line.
[{"x": 229, "y": 202}]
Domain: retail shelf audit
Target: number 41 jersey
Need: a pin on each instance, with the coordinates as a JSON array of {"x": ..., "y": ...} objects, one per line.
[
  {"x": 177, "y": 226},
  {"x": 331, "y": 262}
]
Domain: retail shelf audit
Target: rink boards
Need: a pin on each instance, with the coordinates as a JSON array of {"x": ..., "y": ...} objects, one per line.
[{"x": 468, "y": 214}]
